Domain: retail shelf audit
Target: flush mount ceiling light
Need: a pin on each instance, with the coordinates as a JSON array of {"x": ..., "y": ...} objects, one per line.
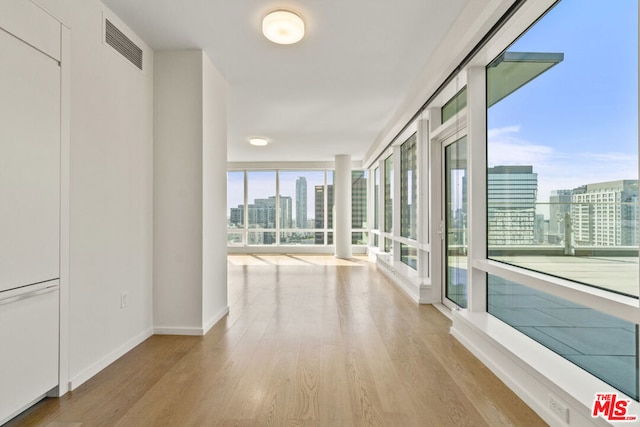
[
  {"x": 258, "y": 141},
  {"x": 283, "y": 27}
]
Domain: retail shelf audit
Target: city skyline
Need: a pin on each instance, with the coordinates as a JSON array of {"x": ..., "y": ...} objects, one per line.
[
  {"x": 290, "y": 206},
  {"x": 594, "y": 213},
  {"x": 266, "y": 186}
]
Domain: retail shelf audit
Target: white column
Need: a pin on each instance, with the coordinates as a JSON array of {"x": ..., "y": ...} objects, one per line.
[
  {"x": 189, "y": 240},
  {"x": 214, "y": 195},
  {"x": 342, "y": 204}
]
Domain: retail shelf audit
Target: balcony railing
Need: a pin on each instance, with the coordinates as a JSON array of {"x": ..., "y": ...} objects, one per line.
[{"x": 593, "y": 243}]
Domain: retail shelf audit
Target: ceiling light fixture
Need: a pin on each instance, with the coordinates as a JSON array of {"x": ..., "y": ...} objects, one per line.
[
  {"x": 283, "y": 27},
  {"x": 258, "y": 141}
]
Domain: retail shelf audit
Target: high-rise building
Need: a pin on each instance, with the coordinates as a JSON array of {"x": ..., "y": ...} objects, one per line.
[
  {"x": 301, "y": 202},
  {"x": 262, "y": 214},
  {"x": 511, "y": 205},
  {"x": 358, "y": 199},
  {"x": 236, "y": 217},
  {"x": 359, "y": 206},
  {"x": 320, "y": 211},
  {"x": 541, "y": 229},
  {"x": 606, "y": 214},
  {"x": 286, "y": 209},
  {"x": 559, "y": 205}
]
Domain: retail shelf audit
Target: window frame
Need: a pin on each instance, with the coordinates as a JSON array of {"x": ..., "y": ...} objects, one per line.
[
  {"x": 245, "y": 231},
  {"x": 393, "y": 257},
  {"x": 621, "y": 306},
  {"x": 501, "y": 347}
]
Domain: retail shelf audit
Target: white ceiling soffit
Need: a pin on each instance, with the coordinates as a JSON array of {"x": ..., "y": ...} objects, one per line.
[{"x": 332, "y": 93}]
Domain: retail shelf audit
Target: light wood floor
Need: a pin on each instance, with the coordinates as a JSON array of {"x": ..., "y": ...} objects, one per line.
[{"x": 309, "y": 341}]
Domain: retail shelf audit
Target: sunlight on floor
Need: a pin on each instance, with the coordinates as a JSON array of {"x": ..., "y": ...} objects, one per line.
[{"x": 295, "y": 260}]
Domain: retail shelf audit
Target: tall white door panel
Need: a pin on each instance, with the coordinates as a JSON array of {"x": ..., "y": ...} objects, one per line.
[{"x": 29, "y": 164}]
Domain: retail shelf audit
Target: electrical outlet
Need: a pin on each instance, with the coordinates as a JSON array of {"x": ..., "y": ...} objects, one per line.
[
  {"x": 124, "y": 299},
  {"x": 559, "y": 408}
]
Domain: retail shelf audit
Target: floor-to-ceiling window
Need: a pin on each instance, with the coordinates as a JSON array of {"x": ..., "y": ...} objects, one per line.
[
  {"x": 529, "y": 168},
  {"x": 376, "y": 208},
  {"x": 261, "y": 207},
  {"x": 301, "y": 203},
  {"x": 562, "y": 180},
  {"x": 290, "y": 207},
  {"x": 562, "y": 147},
  {"x": 388, "y": 203},
  {"x": 455, "y": 215},
  {"x": 359, "y": 189},
  {"x": 235, "y": 208},
  {"x": 330, "y": 201},
  {"x": 409, "y": 201},
  {"x": 396, "y": 206}
]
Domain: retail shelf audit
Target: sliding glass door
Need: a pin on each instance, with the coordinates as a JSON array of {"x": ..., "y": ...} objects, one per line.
[{"x": 455, "y": 222}]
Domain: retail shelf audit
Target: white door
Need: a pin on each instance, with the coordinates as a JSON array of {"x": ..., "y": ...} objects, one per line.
[
  {"x": 29, "y": 164},
  {"x": 454, "y": 219}
]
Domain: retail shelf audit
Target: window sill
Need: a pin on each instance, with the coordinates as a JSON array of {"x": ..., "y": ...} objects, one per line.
[
  {"x": 621, "y": 306},
  {"x": 532, "y": 371}
]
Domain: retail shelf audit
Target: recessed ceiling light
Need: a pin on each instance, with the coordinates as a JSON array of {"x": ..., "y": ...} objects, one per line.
[
  {"x": 258, "y": 141},
  {"x": 283, "y": 27}
]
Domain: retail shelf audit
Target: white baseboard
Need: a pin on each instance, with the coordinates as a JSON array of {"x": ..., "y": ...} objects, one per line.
[
  {"x": 215, "y": 319},
  {"x": 446, "y": 311},
  {"x": 189, "y": 331},
  {"x": 85, "y": 375},
  {"x": 420, "y": 293},
  {"x": 411, "y": 291},
  {"x": 178, "y": 330}
]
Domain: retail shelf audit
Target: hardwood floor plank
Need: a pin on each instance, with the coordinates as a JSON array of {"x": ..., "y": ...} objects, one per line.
[
  {"x": 334, "y": 397},
  {"x": 335, "y": 405},
  {"x": 309, "y": 341},
  {"x": 362, "y": 393},
  {"x": 305, "y": 404},
  {"x": 391, "y": 391}
]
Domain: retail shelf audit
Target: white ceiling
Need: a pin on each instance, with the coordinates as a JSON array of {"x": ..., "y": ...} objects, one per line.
[{"x": 332, "y": 93}]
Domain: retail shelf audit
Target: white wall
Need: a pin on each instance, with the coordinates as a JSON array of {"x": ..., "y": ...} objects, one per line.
[
  {"x": 190, "y": 193},
  {"x": 178, "y": 190},
  {"x": 111, "y": 184},
  {"x": 214, "y": 194}
]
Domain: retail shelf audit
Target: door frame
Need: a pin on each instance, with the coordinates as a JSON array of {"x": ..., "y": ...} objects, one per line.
[{"x": 459, "y": 133}]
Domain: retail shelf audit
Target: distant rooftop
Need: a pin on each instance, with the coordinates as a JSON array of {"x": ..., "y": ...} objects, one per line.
[{"x": 511, "y": 169}]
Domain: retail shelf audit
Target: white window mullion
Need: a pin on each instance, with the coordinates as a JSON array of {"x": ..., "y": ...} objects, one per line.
[
  {"x": 381, "y": 203},
  {"x": 277, "y": 207},
  {"x": 325, "y": 211},
  {"x": 245, "y": 213},
  {"x": 435, "y": 189},
  {"x": 423, "y": 219},
  {"x": 477, "y": 185},
  {"x": 397, "y": 210}
]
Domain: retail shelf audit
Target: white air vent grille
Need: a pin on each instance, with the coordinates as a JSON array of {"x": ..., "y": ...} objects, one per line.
[{"x": 123, "y": 44}]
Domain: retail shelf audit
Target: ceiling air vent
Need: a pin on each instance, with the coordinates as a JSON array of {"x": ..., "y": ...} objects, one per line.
[{"x": 123, "y": 44}]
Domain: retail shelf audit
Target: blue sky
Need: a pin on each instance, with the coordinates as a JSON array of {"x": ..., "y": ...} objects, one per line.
[{"x": 578, "y": 122}]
